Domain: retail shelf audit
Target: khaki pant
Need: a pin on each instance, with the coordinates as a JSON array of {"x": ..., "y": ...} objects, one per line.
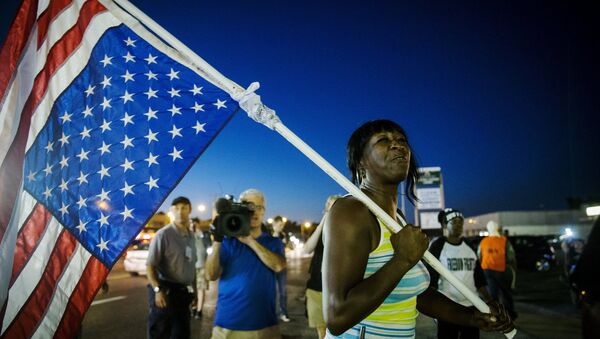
[{"x": 265, "y": 333}]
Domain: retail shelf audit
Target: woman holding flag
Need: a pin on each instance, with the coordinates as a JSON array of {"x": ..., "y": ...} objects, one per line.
[{"x": 374, "y": 281}]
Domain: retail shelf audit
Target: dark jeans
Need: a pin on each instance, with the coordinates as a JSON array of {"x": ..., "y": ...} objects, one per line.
[
  {"x": 498, "y": 284},
  {"x": 452, "y": 331},
  {"x": 172, "y": 321},
  {"x": 281, "y": 291}
]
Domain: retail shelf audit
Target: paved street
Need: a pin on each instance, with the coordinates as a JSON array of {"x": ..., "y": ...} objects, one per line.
[{"x": 542, "y": 302}]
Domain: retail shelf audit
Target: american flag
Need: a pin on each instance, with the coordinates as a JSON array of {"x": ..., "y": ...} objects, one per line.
[{"x": 98, "y": 126}]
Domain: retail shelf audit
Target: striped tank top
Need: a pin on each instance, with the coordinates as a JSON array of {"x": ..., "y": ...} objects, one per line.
[{"x": 396, "y": 317}]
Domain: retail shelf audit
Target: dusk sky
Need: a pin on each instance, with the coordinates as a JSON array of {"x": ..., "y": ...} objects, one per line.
[{"x": 504, "y": 96}]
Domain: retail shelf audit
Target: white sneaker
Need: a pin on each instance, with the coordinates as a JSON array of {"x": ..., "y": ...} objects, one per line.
[{"x": 284, "y": 318}]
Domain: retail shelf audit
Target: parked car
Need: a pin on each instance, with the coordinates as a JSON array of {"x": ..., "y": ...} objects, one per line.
[
  {"x": 135, "y": 259},
  {"x": 533, "y": 252}
]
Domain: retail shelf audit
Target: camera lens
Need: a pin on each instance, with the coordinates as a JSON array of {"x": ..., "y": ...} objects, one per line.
[{"x": 234, "y": 224}]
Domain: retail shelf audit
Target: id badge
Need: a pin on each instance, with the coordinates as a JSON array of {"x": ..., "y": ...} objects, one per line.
[{"x": 188, "y": 253}]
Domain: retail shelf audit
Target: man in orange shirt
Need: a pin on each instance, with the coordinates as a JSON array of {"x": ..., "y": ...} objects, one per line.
[{"x": 499, "y": 265}]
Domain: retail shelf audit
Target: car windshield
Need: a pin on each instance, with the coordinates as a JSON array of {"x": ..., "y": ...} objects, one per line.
[{"x": 140, "y": 245}]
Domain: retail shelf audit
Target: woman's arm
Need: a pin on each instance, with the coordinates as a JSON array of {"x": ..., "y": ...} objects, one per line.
[
  {"x": 436, "y": 305},
  {"x": 314, "y": 238},
  {"x": 349, "y": 238}
]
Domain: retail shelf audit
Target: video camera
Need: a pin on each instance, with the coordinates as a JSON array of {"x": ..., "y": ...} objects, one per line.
[{"x": 233, "y": 218}]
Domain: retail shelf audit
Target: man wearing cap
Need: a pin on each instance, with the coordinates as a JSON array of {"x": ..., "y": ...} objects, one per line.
[
  {"x": 460, "y": 258},
  {"x": 171, "y": 273}
]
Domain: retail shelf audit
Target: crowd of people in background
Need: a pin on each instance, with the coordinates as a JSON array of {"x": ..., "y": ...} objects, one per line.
[{"x": 363, "y": 280}]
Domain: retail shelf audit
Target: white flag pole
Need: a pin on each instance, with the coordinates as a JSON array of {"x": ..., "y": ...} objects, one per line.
[{"x": 251, "y": 103}]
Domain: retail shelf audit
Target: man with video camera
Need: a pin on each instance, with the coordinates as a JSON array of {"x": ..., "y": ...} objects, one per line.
[{"x": 245, "y": 260}]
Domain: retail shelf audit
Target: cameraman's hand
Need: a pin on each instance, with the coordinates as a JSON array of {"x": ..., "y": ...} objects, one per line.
[
  {"x": 216, "y": 235},
  {"x": 246, "y": 239}
]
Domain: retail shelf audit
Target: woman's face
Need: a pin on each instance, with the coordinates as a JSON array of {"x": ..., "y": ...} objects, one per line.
[{"x": 386, "y": 157}]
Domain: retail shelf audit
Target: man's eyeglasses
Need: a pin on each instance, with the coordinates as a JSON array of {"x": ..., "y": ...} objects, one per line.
[{"x": 255, "y": 207}]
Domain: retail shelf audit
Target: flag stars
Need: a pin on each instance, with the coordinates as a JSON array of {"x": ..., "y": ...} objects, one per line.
[
  {"x": 198, "y": 107},
  {"x": 103, "y": 196},
  {"x": 85, "y": 133},
  {"x": 103, "y": 172},
  {"x": 103, "y": 245},
  {"x": 63, "y": 209},
  {"x": 83, "y": 155},
  {"x": 150, "y": 59},
  {"x": 106, "y": 82},
  {"x": 81, "y": 202},
  {"x": 127, "y": 119},
  {"x": 220, "y": 104},
  {"x": 127, "y": 189},
  {"x": 151, "y": 136},
  {"x": 174, "y": 110},
  {"x": 104, "y": 148},
  {"x": 105, "y": 126},
  {"x": 90, "y": 90},
  {"x": 106, "y": 61},
  {"x": 64, "y": 139},
  {"x": 48, "y": 169},
  {"x": 127, "y": 142},
  {"x": 127, "y": 165},
  {"x": 175, "y": 132},
  {"x": 64, "y": 185},
  {"x": 127, "y": 76},
  {"x": 127, "y": 97},
  {"x": 176, "y": 154},
  {"x": 103, "y": 219},
  {"x": 81, "y": 227},
  {"x": 199, "y": 127},
  {"x": 49, "y": 147},
  {"x": 127, "y": 213},
  {"x": 47, "y": 192},
  {"x": 129, "y": 42},
  {"x": 31, "y": 176},
  {"x": 105, "y": 103},
  {"x": 64, "y": 162},
  {"x": 151, "y": 75},
  {"x": 87, "y": 112},
  {"x": 151, "y": 114},
  {"x": 152, "y": 183},
  {"x": 174, "y": 92},
  {"x": 151, "y": 159},
  {"x": 128, "y": 57},
  {"x": 173, "y": 75},
  {"x": 82, "y": 178},
  {"x": 196, "y": 90},
  {"x": 151, "y": 93},
  {"x": 66, "y": 117}
]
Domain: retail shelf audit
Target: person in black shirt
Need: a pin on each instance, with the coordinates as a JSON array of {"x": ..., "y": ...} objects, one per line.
[{"x": 314, "y": 287}]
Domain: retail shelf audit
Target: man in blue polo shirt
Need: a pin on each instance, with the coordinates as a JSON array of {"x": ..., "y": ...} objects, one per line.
[{"x": 246, "y": 267}]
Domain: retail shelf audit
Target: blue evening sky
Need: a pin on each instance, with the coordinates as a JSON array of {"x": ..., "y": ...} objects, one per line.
[{"x": 503, "y": 96}]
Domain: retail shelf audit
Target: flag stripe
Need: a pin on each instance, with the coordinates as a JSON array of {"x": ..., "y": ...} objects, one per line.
[
  {"x": 28, "y": 238},
  {"x": 32, "y": 311},
  {"x": 65, "y": 286},
  {"x": 48, "y": 15},
  {"x": 15, "y": 43},
  {"x": 93, "y": 276},
  {"x": 31, "y": 274},
  {"x": 65, "y": 75},
  {"x": 31, "y": 64},
  {"x": 10, "y": 172}
]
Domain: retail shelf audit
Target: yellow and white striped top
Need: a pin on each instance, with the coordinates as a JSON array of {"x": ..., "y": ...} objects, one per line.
[{"x": 396, "y": 317}]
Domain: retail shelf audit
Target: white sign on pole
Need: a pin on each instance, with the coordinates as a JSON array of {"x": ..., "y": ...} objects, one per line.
[
  {"x": 429, "y": 198},
  {"x": 429, "y": 220}
]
